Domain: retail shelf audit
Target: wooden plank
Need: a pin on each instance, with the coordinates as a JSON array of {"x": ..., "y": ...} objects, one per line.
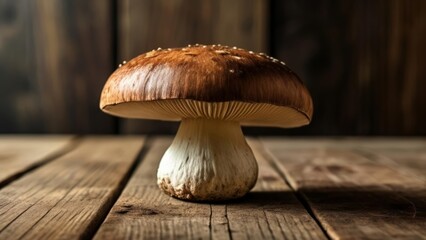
[
  {"x": 19, "y": 154},
  {"x": 240, "y": 22},
  {"x": 69, "y": 197},
  {"x": 144, "y": 25},
  {"x": 269, "y": 211},
  {"x": 407, "y": 155},
  {"x": 20, "y": 110},
  {"x": 401, "y": 153},
  {"x": 54, "y": 59},
  {"x": 354, "y": 195}
]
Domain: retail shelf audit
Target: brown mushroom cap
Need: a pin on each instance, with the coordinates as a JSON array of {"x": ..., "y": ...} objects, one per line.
[{"x": 202, "y": 81}]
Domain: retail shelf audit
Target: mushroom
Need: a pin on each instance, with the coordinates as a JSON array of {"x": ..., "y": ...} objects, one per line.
[{"x": 212, "y": 90}]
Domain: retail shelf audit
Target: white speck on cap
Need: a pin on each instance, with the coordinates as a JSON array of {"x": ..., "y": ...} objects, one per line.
[
  {"x": 232, "y": 70},
  {"x": 159, "y": 49},
  {"x": 251, "y": 52},
  {"x": 221, "y": 52}
]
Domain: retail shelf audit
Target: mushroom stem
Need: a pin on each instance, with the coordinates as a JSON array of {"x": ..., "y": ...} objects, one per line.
[{"x": 208, "y": 160}]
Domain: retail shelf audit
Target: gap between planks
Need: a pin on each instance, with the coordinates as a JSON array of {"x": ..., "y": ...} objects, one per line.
[
  {"x": 299, "y": 195},
  {"x": 94, "y": 227},
  {"x": 27, "y": 153}
]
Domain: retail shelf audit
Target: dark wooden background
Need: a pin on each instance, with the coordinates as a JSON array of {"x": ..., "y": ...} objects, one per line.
[{"x": 363, "y": 61}]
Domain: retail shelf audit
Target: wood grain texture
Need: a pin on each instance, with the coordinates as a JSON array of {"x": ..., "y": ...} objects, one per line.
[
  {"x": 68, "y": 197},
  {"x": 144, "y": 212},
  {"x": 19, "y": 154},
  {"x": 140, "y": 29},
  {"x": 354, "y": 190},
  {"x": 54, "y": 58},
  {"x": 362, "y": 61}
]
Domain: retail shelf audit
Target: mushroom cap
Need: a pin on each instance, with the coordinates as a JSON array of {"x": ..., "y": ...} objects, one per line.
[{"x": 202, "y": 81}]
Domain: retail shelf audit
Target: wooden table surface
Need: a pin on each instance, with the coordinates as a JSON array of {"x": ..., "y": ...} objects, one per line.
[{"x": 104, "y": 187}]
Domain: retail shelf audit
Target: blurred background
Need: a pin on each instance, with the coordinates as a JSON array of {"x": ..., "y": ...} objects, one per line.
[{"x": 363, "y": 61}]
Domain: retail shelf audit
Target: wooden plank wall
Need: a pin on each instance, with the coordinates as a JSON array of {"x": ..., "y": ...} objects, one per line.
[
  {"x": 362, "y": 60},
  {"x": 54, "y": 59}
]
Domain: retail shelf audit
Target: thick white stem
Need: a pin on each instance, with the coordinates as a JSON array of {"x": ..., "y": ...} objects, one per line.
[{"x": 208, "y": 160}]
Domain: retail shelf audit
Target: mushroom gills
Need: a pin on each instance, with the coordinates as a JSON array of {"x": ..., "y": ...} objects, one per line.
[
  {"x": 208, "y": 160},
  {"x": 246, "y": 113}
]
